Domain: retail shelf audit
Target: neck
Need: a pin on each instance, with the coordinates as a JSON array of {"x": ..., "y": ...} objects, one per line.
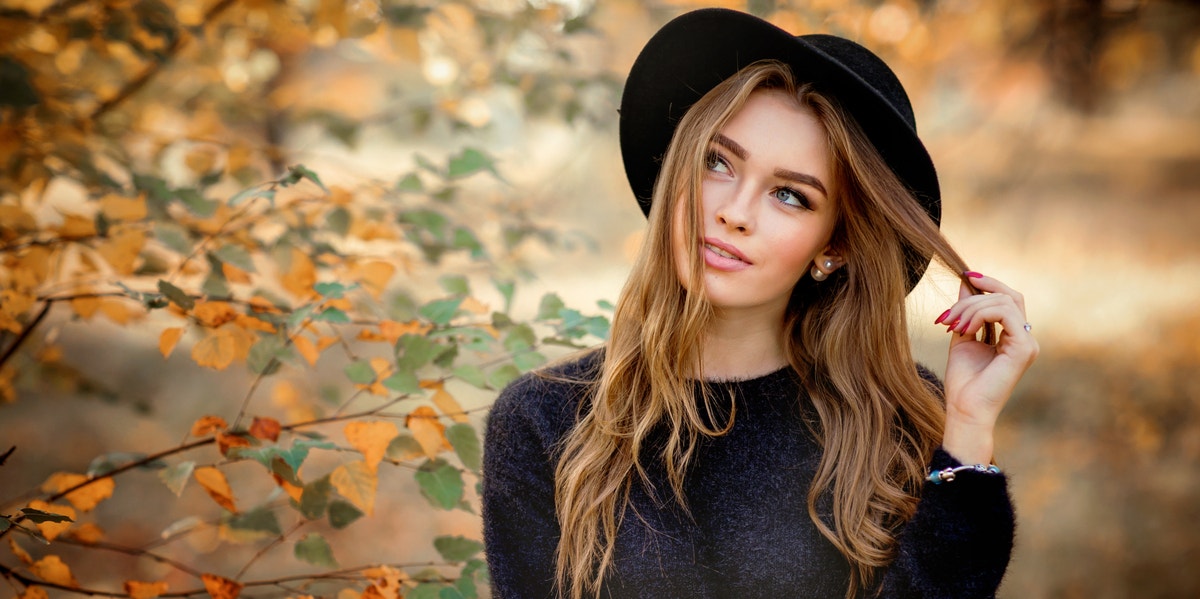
[{"x": 743, "y": 344}]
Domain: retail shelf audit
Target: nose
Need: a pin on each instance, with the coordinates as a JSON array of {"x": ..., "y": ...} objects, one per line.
[{"x": 736, "y": 212}]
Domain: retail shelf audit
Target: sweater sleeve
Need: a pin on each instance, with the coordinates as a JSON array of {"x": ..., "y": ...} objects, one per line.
[{"x": 519, "y": 526}]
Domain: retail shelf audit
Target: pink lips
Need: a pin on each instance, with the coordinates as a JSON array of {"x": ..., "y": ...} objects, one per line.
[{"x": 729, "y": 258}]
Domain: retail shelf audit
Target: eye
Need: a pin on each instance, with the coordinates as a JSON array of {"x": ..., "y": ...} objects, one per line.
[
  {"x": 791, "y": 197},
  {"x": 716, "y": 163}
]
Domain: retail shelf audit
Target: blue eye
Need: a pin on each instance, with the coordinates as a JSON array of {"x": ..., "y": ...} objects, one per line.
[
  {"x": 716, "y": 163},
  {"x": 791, "y": 197}
]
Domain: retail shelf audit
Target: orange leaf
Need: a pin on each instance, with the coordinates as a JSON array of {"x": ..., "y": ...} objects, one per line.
[
  {"x": 226, "y": 441},
  {"x": 84, "y": 498},
  {"x": 471, "y": 304},
  {"x": 13, "y": 304},
  {"x": 375, "y": 276},
  {"x": 448, "y": 405},
  {"x": 214, "y": 482},
  {"x": 86, "y": 533},
  {"x": 306, "y": 349},
  {"x": 265, "y": 428},
  {"x": 296, "y": 493},
  {"x": 121, "y": 249},
  {"x": 234, "y": 274},
  {"x": 74, "y": 227},
  {"x": 51, "y": 530},
  {"x": 221, "y": 588},
  {"x": 429, "y": 433},
  {"x": 34, "y": 592},
  {"x": 19, "y": 552},
  {"x": 217, "y": 350},
  {"x": 214, "y": 314},
  {"x": 300, "y": 276},
  {"x": 85, "y": 307},
  {"x": 357, "y": 484},
  {"x": 207, "y": 424},
  {"x": 52, "y": 569},
  {"x": 145, "y": 590},
  {"x": 285, "y": 395},
  {"x": 254, "y": 324},
  {"x": 168, "y": 339},
  {"x": 395, "y": 330},
  {"x": 116, "y": 207},
  {"x": 371, "y": 439},
  {"x": 116, "y": 311}
]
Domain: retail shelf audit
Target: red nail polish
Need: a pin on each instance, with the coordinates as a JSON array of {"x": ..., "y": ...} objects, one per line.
[
  {"x": 942, "y": 317},
  {"x": 973, "y": 274}
]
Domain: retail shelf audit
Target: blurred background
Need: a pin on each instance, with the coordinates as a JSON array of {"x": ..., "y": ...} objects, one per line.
[{"x": 1066, "y": 134}]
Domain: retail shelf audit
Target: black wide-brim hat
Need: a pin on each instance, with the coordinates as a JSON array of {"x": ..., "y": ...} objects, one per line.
[{"x": 693, "y": 53}]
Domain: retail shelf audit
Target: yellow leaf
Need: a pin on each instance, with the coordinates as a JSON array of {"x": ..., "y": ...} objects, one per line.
[
  {"x": 221, "y": 588},
  {"x": 225, "y": 441},
  {"x": 296, "y": 493},
  {"x": 234, "y": 274},
  {"x": 300, "y": 276},
  {"x": 87, "y": 533},
  {"x": 51, "y": 530},
  {"x": 85, "y": 307},
  {"x": 357, "y": 483},
  {"x": 122, "y": 248},
  {"x": 371, "y": 439},
  {"x": 75, "y": 227},
  {"x": 473, "y": 305},
  {"x": 217, "y": 350},
  {"x": 116, "y": 311},
  {"x": 349, "y": 594},
  {"x": 448, "y": 405},
  {"x": 13, "y": 304},
  {"x": 254, "y": 324},
  {"x": 208, "y": 424},
  {"x": 238, "y": 157},
  {"x": 16, "y": 220},
  {"x": 8, "y": 393},
  {"x": 374, "y": 276},
  {"x": 395, "y": 330},
  {"x": 84, "y": 498},
  {"x": 168, "y": 339},
  {"x": 21, "y": 554},
  {"x": 201, "y": 160},
  {"x": 386, "y": 582},
  {"x": 427, "y": 430},
  {"x": 285, "y": 395},
  {"x": 137, "y": 589},
  {"x": 214, "y": 314},
  {"x": 307, "y": 350},
  {"x": 116, "y": 207},
  {"x": 52, "y": 569},
  {"x": 34, "y": 592},
  {"x": 214, "y": 482}
]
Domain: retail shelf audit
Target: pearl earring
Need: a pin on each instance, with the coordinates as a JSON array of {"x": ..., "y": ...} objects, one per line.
[{"x": 817, "y": 274}]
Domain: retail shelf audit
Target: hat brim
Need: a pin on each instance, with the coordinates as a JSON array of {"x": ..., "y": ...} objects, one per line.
[{"x": 696, "y": 51}]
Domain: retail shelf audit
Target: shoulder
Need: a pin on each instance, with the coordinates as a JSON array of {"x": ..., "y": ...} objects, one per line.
[{"x": 547, "y": 400}]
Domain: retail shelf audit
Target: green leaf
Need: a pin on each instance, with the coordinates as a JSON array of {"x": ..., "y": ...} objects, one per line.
[
  {"x": 4, "y": 523},
  {"x": 450, "y": 593},
  {"x": 404, "y": 446},
  {"x": 315, "y": 498},
  {"x": 258, "y": 191},
  {"x": 403, "y": 382},
  {"x": 338, "y": 221},
  {"x": 455, "y": 284},
  {"x": 253, "y": 525},
  {"x": 414, "y": 351},
  {"x": 606, "y": 305},
  {"x": 331, "y": 289},
  {"x": 305, "y": 173},
  {"x": 176, "y": 477},
  {"x": 440, "y": 483},
  {"x": 472, "y": 374},
  {"x": 457, "y": 549},
  {"x": 342, "y": 513},
  {"x": 176, "y": 295},
  {"x": 426, "y": 590},
  {"x": 196, "y": 203},
  {"x": 469, "y": 162},
  {"x": 173, "y": 236},
  {"x": 410, "y": 183},
  {"x": 464, "y": 239},
  {"x": 465, "y": 442},
  {"x": 333, "y": 315},
  {"x": 428, "y": 220},
  {"x": 549, "y": 307},
  {"x": 360, "y": 372},
  {"x": 38, "y": 516},
  {"x": 520, "y": 338},
  {"x": 314, "y": 549},
  {"x": 235, "y": 255},
  {"x": 440, "y": 311},
  {"x": 526, "y": 361},
  {"x": 502, "y": 376},
  {"x": 264, "y": 355}
]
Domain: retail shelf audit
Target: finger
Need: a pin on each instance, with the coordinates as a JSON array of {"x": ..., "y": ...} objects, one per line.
[{"x": 992, "y": 285}]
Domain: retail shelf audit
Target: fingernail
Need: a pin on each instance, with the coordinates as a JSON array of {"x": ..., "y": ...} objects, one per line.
[
  {"x": 973, "y": 274},
  {"x": 942, "y": 317}
]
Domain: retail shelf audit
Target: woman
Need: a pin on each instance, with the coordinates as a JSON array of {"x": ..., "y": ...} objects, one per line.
[{"x": 756, "y": 426}]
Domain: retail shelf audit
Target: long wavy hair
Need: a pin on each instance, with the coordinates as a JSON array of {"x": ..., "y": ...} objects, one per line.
[{"x": 878, "y": 420}]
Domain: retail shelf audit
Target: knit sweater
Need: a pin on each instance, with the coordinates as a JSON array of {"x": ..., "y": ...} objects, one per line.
[{"x": 748, "y": 533}]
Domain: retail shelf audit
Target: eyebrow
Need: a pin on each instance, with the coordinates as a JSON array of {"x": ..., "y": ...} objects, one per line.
[{"x": 781, "y": 173}]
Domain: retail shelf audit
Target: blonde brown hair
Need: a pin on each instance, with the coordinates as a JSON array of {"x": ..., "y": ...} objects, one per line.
[{"x": 879, "y": 422}]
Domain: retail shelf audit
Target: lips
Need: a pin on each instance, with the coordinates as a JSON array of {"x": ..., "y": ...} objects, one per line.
[{"x": 722, "y": 256}]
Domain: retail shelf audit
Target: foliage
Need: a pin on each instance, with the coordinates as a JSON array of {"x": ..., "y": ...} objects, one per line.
[{"x": 135, "y": 138}]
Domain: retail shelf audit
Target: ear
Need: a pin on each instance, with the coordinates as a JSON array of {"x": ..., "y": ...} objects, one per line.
[{"x": 829, "y": 260}]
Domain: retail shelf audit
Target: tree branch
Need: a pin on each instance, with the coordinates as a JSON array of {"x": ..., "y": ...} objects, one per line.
[{"x": 12, "y": 349}]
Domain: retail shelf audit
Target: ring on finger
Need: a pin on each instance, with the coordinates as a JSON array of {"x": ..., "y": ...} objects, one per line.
[{"x": 1028, "y": 328}]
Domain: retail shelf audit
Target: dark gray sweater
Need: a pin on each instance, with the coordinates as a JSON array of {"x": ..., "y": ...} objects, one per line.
[{"x": 749, "y": 533}]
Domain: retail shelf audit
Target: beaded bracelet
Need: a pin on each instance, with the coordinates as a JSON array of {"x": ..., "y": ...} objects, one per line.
[{"x": 938, "y": 477}]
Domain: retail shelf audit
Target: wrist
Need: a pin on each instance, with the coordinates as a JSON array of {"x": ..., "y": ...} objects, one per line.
[{"x": 969, "y": 444}]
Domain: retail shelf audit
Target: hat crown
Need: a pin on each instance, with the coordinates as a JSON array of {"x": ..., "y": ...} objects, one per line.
[{"x": 871, "y": 69}]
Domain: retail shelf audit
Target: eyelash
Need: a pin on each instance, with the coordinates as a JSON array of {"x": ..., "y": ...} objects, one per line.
[{"x": 715, "y": 158}]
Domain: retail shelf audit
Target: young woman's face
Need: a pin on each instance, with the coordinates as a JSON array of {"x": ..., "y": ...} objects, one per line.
[{"x": 767, "y": 207}]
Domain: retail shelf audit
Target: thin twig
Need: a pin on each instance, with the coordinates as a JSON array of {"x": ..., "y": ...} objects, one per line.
[
  {"x": 134, "y": 551},
  {"x": 16, "y": 344},
  {"x": 269, "y": 546}
]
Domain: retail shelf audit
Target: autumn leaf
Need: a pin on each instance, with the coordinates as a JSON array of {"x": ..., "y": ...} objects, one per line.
[
  {"x": 34, "y": 592},
  {"x": 374, "y": 276},
  {"x": 75, "y": 227},
  {"x": 300, "y": 276},
  {"x": 145, "y": 590},
  {"x": 474, "y": 306},
  {"x": 306, "y": 349},
  {"x": 395, "y": 330},
  {"x": 84, "y": 498},
  {"x": 116, "y": 311},
  {"x": 371, "y": 439},
  {"x": 428, "y": 431},
  {"x": 234, "y": 274},
  {"x": 221, "y": 588},
  {"x": 447, "y": 404},
  {"x": 121, "y": 249},
  {"x": 226, "y": 441},
  {"x": 168, "y": 339},
  {"x": 87, "y": 533},
  {"x": 357, "y": 483},
  {"x": 85, "y": 307},
  {"x": 214, "y": 314},
  {"x": 265, "y": 428},
  {"x": 214, "y": 482},
  {"x": 18, "y": 551},
  {"x": 117, "y": 208},
  {"x": 51, "y": 530},
  {"x": 222, "y": 347},
  {"x": 12, "y": 305},
  {"x": 207, "y": 424},
  {"x": 52, "y": 569}
]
